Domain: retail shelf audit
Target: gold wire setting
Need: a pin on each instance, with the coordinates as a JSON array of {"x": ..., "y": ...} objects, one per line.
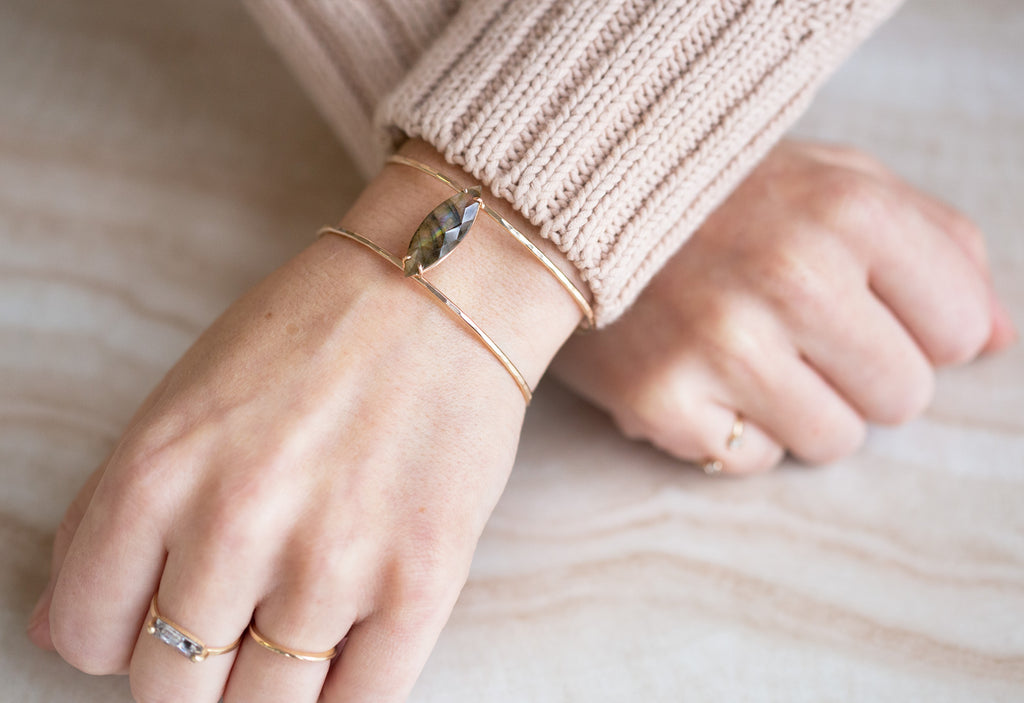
[
  {"x": 450, "y": 305},
  {"x": 563, "y": 280}
]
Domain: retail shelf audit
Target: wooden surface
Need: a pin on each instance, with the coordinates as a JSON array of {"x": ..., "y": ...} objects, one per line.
[{"x": 157, "y": 159}]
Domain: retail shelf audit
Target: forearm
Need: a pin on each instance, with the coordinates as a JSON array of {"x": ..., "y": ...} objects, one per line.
[{"x": 616, "y": 126}]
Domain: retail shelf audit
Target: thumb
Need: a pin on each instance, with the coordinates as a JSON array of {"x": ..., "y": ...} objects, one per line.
[{"x": 972, "y": 242}]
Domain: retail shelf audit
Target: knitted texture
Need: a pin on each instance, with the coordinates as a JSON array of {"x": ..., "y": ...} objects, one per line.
[{"x": 615, "y": 126}]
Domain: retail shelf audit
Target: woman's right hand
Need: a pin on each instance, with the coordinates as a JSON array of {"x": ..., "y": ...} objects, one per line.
[{"x": 820, "y": 296}]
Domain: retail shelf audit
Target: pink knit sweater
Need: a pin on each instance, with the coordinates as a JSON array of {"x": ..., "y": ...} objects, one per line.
[{"x": 616, "y": 126}]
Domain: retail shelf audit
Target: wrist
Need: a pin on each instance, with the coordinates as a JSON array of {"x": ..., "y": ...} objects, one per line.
[{"x": 490, "y": 275}]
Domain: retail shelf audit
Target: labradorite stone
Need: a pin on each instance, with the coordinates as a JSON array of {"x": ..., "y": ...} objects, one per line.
[{"x": 441, "y": 230}]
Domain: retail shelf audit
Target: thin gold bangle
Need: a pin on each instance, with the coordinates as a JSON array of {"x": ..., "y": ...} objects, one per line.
[
  {"x": 570, "y": 287},
  {"x": 501, "y": 356}
]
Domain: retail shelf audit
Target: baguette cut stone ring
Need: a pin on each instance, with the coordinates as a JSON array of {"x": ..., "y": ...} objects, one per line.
[{"x": 183, "y": 641}]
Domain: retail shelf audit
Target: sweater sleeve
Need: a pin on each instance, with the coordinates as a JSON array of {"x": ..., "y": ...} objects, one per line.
[{"x": 615, "y": 126}]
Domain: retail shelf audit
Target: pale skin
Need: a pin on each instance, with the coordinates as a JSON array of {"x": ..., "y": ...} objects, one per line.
[
  {"x": 325, "y": 456},
  {"x": 820, "y": 297}
]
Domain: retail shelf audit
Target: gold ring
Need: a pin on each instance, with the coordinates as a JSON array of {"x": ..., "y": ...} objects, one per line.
[
  {"x": 181, "y": 639},
  {"x": 735, "y": 438},
  {"x": 292, "y": 653},
  {"x": 712, "y": 466}
]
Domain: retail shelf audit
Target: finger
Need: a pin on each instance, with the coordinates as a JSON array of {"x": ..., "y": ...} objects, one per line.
[
  {"x": 863, "y": 352},
  {"x": 39, "y": 620},
  {"x": 109, "y": 573},
  {"x": 938, "y": 288},
  {"x": 102, "y": 520},
  {"x": 754, "y": 366},
  {"x": 703, "y": 434},
  {"x": 210, "y": 585},
  {"x": 1004, "y": 331},
  {"x": 794, "y": 405},
  {"x": 384, "y": 655},
  {"x": 308, "y": 615},
  {"x": 970, "y": 239},
  {"x": 945, "y": 218}
]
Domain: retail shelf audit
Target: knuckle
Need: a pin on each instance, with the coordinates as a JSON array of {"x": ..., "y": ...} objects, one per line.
[
  {"x": 909, "y": 398},
  {"x": 324, "y": 568},
  {"x": 138, "y": 479},
  {"x": 657, "y": 409},
  {"x": 797, "y": 287},
  {"x": 231, "y": 531},
  {"x": 849, "y": 155},
  {"x": 849, "y": 201},
  {"x": 959, "y": 348},
  {"x": 964, "y": 337},
  {"x": 420, "y": 589},
  {"x": 82, "y": 653},
  {"x": 768, "y": 458},
  {"x": 835, "y": 442},
  {"x": 736, "y": 353}
]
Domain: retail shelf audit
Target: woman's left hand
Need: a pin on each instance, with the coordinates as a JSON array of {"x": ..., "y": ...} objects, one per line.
[{"x": 820, "y": 295}]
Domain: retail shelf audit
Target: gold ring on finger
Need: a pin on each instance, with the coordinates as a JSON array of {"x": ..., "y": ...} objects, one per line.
[
  {"x": 292, "y": 653},
  {"x": 735, "y": 438},
  {"x": 183, "y": 641}
]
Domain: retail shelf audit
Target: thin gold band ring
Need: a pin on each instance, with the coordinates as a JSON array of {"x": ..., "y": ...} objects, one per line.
[
  {"x": 735, "y": 438},
  {"x": 292, "y": 653}
]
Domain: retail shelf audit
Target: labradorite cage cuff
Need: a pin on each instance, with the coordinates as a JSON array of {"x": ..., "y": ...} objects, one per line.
[{"x": 542, "y": 258}]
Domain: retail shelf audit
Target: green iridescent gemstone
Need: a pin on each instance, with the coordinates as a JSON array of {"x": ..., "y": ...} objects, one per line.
[{"x": 441, "y": 230}]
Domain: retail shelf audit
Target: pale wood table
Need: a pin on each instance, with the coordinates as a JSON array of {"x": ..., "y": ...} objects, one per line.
[{"x": 155, "y": 160}]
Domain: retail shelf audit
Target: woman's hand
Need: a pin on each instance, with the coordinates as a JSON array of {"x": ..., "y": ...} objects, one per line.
[
  {"x": 322, "y": 461},
  {"x": 819, "y": 296}
]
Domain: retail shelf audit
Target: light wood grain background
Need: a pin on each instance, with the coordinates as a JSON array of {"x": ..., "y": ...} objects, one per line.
[{"x": 156, "y": 159}]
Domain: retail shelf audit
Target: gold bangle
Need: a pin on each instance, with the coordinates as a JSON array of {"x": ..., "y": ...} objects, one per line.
[
  {"x": 501, "y": 356},
  {"x": 563, "y": 280}
]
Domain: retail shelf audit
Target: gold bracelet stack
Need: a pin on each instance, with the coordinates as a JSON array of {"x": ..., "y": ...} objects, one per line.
[
  {"x": 563, "y": 280},
  {"x": 436, "y": 237}
]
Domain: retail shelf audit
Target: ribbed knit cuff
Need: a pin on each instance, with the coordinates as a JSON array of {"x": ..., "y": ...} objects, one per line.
[{"x": 616, "y": 126}]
